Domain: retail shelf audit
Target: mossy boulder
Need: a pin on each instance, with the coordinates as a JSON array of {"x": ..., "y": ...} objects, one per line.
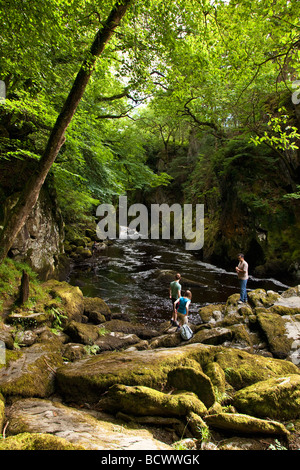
[
  {"x": 244, "y": 424},
  {"x": 190, "y": 379},
  {"x": 211, "y": 313},
  {"x": 277, "y": 398},
  {"x": 217, "y": 376},
  {"x": 82, "y": 333},
  {"x": 262, "y": 298},
  {"x": 37, "y": 441},
  {"x": 30, "y": 371},
  {"x": 274, "y": 328},
  {"x": 71, "y": 296},
  {"x": 91, "y": 377},
  {"x": 143, "y": 401},
  {"x": 243, "y": 369},
  {"x": 96, "y": 309},
  {"x": 212, "y": 336}
]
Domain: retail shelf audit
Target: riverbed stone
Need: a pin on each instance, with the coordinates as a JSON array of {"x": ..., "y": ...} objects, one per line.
[
  {"x": 143, "y": 401},
  {"x": 211, "y": 313},
  {"x": 243, "y": 369},
  {"x": 278, "y": 398},
  {"x": 93, "y": 376},
  {"x": 96, "y": 309},
  {"x": 142, "y": 331},
  {"x": 244, "y": 424},
  {"x": 212, "y": 336},
  {"x": 188, "y": 378},
  {"x": 82, "y": 333},
  {"x": 274, "y": 328},
  {"x": 89, "y": 429},
  {"x": 30, "y": 371},
  {"x": 71, "y": 296}
]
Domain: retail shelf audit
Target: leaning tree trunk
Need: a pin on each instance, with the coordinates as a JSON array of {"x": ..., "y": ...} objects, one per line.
[{"x": 31, "y": 191}]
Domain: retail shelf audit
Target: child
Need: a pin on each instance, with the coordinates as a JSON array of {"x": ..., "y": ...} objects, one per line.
[
  {"x": 182, "y": 306},
  {"x": 174, "y": 293}
]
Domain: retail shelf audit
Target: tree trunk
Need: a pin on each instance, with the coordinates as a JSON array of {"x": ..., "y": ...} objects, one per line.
[{"x": 31, "y": 191}]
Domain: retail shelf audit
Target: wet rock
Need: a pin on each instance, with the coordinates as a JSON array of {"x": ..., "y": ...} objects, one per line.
[
  {"x": 90, "y": 430},
  {"x": 277, "y": 398}
]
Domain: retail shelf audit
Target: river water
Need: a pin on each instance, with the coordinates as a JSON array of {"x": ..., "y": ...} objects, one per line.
[{"x": 126, "y": 276}]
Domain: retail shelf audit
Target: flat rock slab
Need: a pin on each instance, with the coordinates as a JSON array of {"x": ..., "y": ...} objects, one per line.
[{"x": 92, "y": 430}]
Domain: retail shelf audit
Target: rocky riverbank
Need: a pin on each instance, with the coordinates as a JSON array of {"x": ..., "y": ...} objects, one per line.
[{"x": 76, "y": 376}]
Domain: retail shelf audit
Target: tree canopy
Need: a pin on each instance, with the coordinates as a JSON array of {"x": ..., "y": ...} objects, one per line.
[{"x": 170, "y": 71}]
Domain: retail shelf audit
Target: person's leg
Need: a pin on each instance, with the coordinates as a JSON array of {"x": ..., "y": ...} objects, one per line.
[{"x": 243, "y": 293}]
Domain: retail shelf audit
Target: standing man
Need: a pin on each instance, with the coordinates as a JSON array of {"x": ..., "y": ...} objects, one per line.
[
  {"x": 174, "y": 293},
  {"x": 242, "y": 272}
]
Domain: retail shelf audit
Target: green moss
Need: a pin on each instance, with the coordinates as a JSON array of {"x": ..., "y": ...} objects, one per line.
[
  {"x": 36, "y": 441},
  {"x": 144, "y": 401},
  {"x": 243, "y": 369},
  {"x": 277, "y": 398},
  {"x": 244, "y": 424},
  {"x": 273, "y": 326},
  {"x": 187, "y": 378}
]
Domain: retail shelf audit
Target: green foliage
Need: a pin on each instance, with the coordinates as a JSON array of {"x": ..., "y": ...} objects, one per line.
[{"x": 281, "y": 135}]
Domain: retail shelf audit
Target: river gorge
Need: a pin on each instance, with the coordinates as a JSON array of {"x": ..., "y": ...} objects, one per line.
[{"x": 132, "y": 277}]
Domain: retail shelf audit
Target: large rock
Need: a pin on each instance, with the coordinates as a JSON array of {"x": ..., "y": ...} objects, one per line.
[
  {"x": 71, "y": 296},
  {"x": 91, "y": 377},
  {"x": 96, "y": 310},
  {"x": 140, "y": 400},
  {"x": 277, "y": 398},
  {"x": 92, "y": 431},
  {"x": 30, "y": 372},
  {"x": 244, "y": 424},
  {"x": 82, "y": 333},
  {"x": 188, "y": 378},
  {"x": 274, "y": 328},
  {"x": 243, "y": 369}
]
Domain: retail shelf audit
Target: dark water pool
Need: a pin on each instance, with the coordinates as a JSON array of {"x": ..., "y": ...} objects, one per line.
[{"x": 127, "y": 276}]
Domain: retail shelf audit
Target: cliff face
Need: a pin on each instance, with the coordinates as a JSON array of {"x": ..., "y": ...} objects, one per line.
[{"x": 40, "y": 242}]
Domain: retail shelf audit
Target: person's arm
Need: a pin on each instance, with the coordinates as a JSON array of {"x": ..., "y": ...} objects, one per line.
[{"x": 187, "y": 306}]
